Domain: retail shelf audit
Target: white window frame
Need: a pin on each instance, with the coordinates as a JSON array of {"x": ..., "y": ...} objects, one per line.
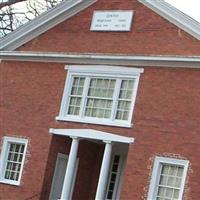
[
  {"x": 4, "y": 156},
  {"x": 122, "y": 151},
  {"x": 155, "y": 177},
  {"x": 98, "y": 71},
  {"x": 117, "y": 181}
]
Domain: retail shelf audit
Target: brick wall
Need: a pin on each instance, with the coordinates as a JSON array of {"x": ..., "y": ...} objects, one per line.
[
  {"x": 150, "y": 34},
  {"x": 166, "y": 122},
  {"x": 166, "y": 116}
]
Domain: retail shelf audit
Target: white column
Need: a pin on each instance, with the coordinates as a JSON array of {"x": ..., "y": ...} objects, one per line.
[
  {"x": 101, "y": 188},
  {"x": 67, "y": 185}
]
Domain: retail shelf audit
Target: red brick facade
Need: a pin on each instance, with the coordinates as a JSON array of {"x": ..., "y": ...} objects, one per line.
[{"x": 165, "y": 120}]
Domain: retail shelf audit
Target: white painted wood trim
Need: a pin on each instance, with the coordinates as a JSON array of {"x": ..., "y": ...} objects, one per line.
[
  {"x": 92, "y": 135},
  {"x": 44, "y": 22},
  {"x": 60, "y": 155},
  {"x": 104, "y": 59},
  {"x": 155, "y": 174},
  {"x": 104, "y": 69},
  {"x": 104, "y": 172},
  {"x": 70, "y": 171},
  {"x": 117, "y": 73}
]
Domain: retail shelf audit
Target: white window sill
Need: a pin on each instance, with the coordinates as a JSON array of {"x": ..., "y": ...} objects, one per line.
[
  {"x": 95, "y": 121},
  {"x": 10, "y": 182}
]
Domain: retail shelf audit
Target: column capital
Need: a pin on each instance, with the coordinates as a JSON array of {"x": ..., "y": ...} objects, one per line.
[
  {"x": 74, "y": 138},
  {"x": 107, "y": 141}
]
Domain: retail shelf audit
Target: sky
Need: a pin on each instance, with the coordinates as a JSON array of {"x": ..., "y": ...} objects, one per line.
[{"x": 189, "y": 7}]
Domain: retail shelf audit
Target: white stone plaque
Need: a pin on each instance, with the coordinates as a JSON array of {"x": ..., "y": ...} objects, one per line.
[{"x": 112, "y": 20}]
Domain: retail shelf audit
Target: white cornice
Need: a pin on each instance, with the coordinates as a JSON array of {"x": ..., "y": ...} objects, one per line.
[
  {"x": 92, "y": 135},
  {"x": 104, "y": 59},
  {"x": 175, "y": 16},
  {"x": 44, "y": 22}
]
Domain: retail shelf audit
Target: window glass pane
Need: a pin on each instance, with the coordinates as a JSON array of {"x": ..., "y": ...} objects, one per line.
[
  {"x": 124, "y": 100},
  {"x": 169, "y": 182},
  {"x": 123, "y": 110},
  {"x": 103, "y": 88},
  {"x": 76, "y": 95},
  {"x": 98, "y": 108},
  {"x": 169, "y": 192},
  {"x": 163, "y": 180},
  {"x": 74, "y": 108},
  {"x": 113, "y": 177},
  {"x": 14, "y": 161},
  {"x": 161, "y": 191},
  {"x": 100, "y": 98},
  {"x": 126, "y": 89},
  {"x": 176, "y": 194},
  {"x": 180, "y": 172}
]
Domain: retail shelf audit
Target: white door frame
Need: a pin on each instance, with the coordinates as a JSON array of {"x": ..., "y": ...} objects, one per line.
[{"x": 64, "y": 156}]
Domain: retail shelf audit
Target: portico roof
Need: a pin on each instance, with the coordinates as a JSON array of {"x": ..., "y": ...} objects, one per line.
[{"x": 92, "y": 135}]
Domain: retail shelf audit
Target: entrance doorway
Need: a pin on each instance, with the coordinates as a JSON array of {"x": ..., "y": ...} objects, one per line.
[{"x": 59, "y": 175}]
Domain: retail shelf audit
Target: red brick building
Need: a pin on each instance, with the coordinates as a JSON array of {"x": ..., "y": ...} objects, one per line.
[{"x": 100, "y": 100}]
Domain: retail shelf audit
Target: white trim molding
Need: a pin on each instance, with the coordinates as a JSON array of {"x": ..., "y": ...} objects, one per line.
[
  {"x": 67, "y": 9},
  {"x": 7, "y": 141},
  {"x": 44, "y": 22},
  {"x": 102, "y": 69},
  {"x": 118, "y": 76},
  {"x": 156, "y": 174},
  {"x": 90, "y": 134},
  {"x": 174, "y": 15},
  {"x": 104, "y": 59}
]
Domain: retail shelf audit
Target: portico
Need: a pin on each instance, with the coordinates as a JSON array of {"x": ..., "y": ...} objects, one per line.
[{"x": 93, "y": 135}]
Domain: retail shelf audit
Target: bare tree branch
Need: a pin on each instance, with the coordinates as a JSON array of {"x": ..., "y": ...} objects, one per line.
[
  {"x": 9, "y": 2},
  {"x": 12, "y": 16}
]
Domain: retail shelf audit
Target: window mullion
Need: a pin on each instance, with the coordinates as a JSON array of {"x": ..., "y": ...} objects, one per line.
[
  {"x": 84, "y": 97},
  {"x": 6, "y": 159},
  {"x": 115, "y": 98},
  {"x": 158, "y": 179}
]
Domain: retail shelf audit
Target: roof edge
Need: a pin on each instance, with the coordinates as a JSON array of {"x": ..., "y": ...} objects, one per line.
[
  {"x": 44, "y": 22},
  {"x": 175, "y": 16},
  {"x": 104, "y": 59}
]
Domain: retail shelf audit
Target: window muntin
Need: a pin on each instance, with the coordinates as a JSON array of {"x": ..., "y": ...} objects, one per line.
[
  {"x": 12, "y": 158},
  {"x": 168, "y": 178},
  {"x": 14, "y": 161},
  {"x": 100, "y": 98},
  {"x": 100, "y": 95},
  {"x": 170, "y": 182},
  {"x": 114, "y": 177},
  {"x": 124, "y": 99},
  {"x": 75, "y": 96}
]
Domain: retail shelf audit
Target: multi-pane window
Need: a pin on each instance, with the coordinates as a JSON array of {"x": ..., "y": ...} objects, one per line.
[
  {"x": 99, "y": 97},
  {"x": 114, "y": 177},
  {"x": 168, "y": 181},
  {"x": 75, "y": 96},
  {"x": 13, "y": 154},
  {"x": 125, "y": 99},
  {"x": 14, "y": 161}
]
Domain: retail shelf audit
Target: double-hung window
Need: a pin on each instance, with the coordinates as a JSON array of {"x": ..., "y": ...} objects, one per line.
[
  {"x": 168, "y": 179},
  {"x": 12, "y": 160},
  {"x": 100, "y": 95}
]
